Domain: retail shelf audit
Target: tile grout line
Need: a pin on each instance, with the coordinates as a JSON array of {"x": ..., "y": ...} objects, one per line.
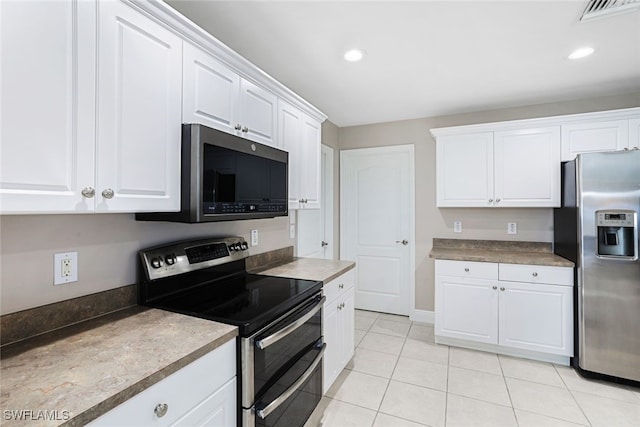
[{"x": 504, "y": 379}]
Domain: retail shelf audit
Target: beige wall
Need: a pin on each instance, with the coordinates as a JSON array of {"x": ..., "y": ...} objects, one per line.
[
  {"x": 106, "y": 244},
  {"x": 533, "y": 224}
]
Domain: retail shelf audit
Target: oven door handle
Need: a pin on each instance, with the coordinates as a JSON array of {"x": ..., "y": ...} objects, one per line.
[
  {"x": 274, "y": 338},
  {"x": 273, "y": 405}
]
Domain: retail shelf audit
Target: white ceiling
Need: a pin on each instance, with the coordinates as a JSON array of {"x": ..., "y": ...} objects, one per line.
[{"x": 427, "y": 58}]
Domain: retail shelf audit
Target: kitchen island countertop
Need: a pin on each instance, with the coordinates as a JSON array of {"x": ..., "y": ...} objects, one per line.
[{"x": 77, "y": 373}]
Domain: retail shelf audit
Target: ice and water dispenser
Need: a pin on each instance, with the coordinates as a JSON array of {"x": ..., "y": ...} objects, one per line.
[{"x": 617, "y": 234}]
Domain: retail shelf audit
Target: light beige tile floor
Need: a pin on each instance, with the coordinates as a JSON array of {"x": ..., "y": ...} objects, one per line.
[{"x": 400, "y": 377}]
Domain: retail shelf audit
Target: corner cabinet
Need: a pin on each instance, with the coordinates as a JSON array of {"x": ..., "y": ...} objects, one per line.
[
  {"x": 107, "y": 134},
  {"x": 505, "y": 307},
  {"x": 300, "y": 135},
  {"x": 511, "y": 168},
  {"x": 338, "y": 326},
  {"x": 202, "y": 393}
]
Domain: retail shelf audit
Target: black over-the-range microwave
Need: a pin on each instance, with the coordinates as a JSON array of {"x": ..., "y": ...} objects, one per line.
[{"x": 225, "y": 177}]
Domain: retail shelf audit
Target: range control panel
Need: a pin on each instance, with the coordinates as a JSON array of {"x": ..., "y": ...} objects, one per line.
[{"x": 178, "y": 258}]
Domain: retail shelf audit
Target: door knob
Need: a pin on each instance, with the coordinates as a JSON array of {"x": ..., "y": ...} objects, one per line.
[
  {"x": 404, "y": 242},
  {"x": 324, "y": 244}
]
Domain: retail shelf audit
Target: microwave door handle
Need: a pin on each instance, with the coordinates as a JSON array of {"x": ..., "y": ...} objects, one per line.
[
  {"x": 273, "y": 405},
  {"x": 274, "y": 338}
]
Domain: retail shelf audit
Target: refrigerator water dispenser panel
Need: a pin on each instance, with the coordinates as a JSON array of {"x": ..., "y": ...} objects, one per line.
[{"x": 617, "y": 234}]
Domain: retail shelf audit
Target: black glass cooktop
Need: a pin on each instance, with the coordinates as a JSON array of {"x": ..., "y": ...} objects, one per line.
[{"x": 248, "y": 301}]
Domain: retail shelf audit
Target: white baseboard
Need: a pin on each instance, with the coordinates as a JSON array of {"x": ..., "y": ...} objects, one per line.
[{"x": 423, "y": 316}]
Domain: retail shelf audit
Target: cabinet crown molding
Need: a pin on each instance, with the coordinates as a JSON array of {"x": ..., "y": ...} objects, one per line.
[{"x": 626, "y": 113}]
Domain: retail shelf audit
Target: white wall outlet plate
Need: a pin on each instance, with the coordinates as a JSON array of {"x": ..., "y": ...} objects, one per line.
[
  {"x": 292, "y": 231},
  {"x": 512, "y": 228},
  {"x": 254, "y": 237},
  {"x": 65, "y": 268},
  {"x": 457, "y": 226},
  {"x": 292, "y": 217}
]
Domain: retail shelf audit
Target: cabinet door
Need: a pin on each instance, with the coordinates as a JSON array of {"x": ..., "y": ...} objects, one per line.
[
  {"x": 634, "y": 134},
  {"x": 210, "y": 91},
  {"x": 310, "y": 163},
  {"x": 466, "y": 309},
  {"x": 527, "y": 167},
  {"x": 290, "y": 120},
  {"x": 595, "y": 136},
  {"x": 331, "y": 336},
  {"x": 258, "y": 113},
  {"x": 47, "y": 119},
  {"x": 217, "y": 410},
  {"x": 139, "y": 112},
  {"x": 536, "y": 317},
  {"x": 347, "y": 328},
  {"x": 465, "y": 170}
]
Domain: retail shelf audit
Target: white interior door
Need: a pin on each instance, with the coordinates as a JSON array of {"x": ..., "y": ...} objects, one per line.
[
  {"x": 377, "y": 225},
  {"x": 315, "y": 226}
]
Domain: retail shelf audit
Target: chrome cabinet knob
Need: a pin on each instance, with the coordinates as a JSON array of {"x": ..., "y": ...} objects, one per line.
[
  {"x": 497, "y": 200},
  {"x": 238, "y": 127},
  {"x": 502, "y": 289},
  {"x": 245, "y": 129},
  {"x": 466, "y": 269},
  {"x": 494, "y": 287},
  {"x": 490, "y": 200},
  {"x": 108, "y": 193},
  {"x": 339, "y": 308},
  {"x": 341, "y": 285},
  {"x": 161, "y": 410},
  {"x": 535, "y": 274},
  {"x": 88, "y": 192}
]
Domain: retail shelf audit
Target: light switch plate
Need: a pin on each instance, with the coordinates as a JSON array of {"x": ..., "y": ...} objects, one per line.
[{"x": 254, "y": 237}]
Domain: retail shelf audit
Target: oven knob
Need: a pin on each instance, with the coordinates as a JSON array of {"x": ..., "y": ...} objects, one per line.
[
  {"x": 244, "y": 246},
  {"x": 237, "y": 247},
  {"x": 232, "y": 248},
  {"x": 170, "y": 259},
  {"x": 156, "y": 262}
]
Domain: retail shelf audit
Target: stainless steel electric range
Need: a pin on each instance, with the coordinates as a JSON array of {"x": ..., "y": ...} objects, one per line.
[{"x": 280, "y": 345}]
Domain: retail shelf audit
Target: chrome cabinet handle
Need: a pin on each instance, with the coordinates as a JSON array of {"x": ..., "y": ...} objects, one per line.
[
  {"x": 88, "y": 192},
  {"x": 272, "y": 406},
  {"x": 161, "y": 410},
  {"x": 108, "y": 193},
  {"x": 535, "y": 274},
  {"x": 238, "y": 127},
  {"x": 277, "y": 336},
  {"x": 404, "y": 242}
]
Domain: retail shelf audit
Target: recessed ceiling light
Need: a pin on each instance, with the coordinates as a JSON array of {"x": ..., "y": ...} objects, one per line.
[
  {"x": 581, "y": 53},
  {"x": 353, "y": 55}
]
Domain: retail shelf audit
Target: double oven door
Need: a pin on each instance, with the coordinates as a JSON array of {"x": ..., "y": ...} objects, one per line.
[{"x": 281, "y": 368}]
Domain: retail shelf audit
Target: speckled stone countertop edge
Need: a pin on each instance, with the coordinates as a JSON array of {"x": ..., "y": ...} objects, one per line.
[
  {"x": 126, "y": 394},
  {"x": 291, "y": 268},
  {"x": 341, "y": 272},
  {"x": 504, "y": 257}
]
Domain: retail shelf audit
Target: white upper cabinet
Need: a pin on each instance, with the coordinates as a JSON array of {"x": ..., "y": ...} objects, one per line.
[
  {"x": 258, "y": 113},
  {"x": 514, "y": 168},
  {"x": 610, "y": 135},
  {"x": 139, "y": 112},
  {"x": 465, "y": 170},
  {"x": 527, "y": 167},
  {"x": 300, "y": 134},
  {"x": 47, "y": 119},
  {"x": 634, "y": 134},
  {"x": 218, "y": 97},
  {"x": 210, "y": 91}
]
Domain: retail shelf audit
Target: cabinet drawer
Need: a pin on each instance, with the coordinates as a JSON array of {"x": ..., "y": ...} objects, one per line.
[
  {"x": 479, "y": 270},
  {"x": 180, "y": 391},
  {"x": 537, "y": 274},
  {"x": 339, "y": 285}
]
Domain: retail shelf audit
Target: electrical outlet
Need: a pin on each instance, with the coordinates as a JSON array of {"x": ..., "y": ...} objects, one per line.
[
  {"x": 512, "y": 228},
  {"x": 65, "y": 268},
  {"x": 254, "y": 237},
  {"x": 457, "y": 226}
]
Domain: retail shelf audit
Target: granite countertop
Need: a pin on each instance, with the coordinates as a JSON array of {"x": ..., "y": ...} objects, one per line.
[
  {"x": 508, "y": 252},
  {"x": 322, "y": 270},
  {"x": 84, "y": 370}
]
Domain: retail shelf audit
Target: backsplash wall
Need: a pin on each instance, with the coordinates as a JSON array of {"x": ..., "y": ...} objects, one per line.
[{"x": 107, "y": 246}]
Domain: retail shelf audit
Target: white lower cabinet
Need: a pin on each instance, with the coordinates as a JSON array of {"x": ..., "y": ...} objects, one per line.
[
  {"x": 524, "y": 307},
  {"x": 338, "y": 326},
  {"x": 202, "y": 393}
]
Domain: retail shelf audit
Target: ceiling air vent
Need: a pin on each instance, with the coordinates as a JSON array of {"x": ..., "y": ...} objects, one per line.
[{"x": 602, "y": 8}]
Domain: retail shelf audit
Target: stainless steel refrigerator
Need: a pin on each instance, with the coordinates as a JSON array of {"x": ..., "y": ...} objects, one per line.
[{"x": 597, "y": 228}]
